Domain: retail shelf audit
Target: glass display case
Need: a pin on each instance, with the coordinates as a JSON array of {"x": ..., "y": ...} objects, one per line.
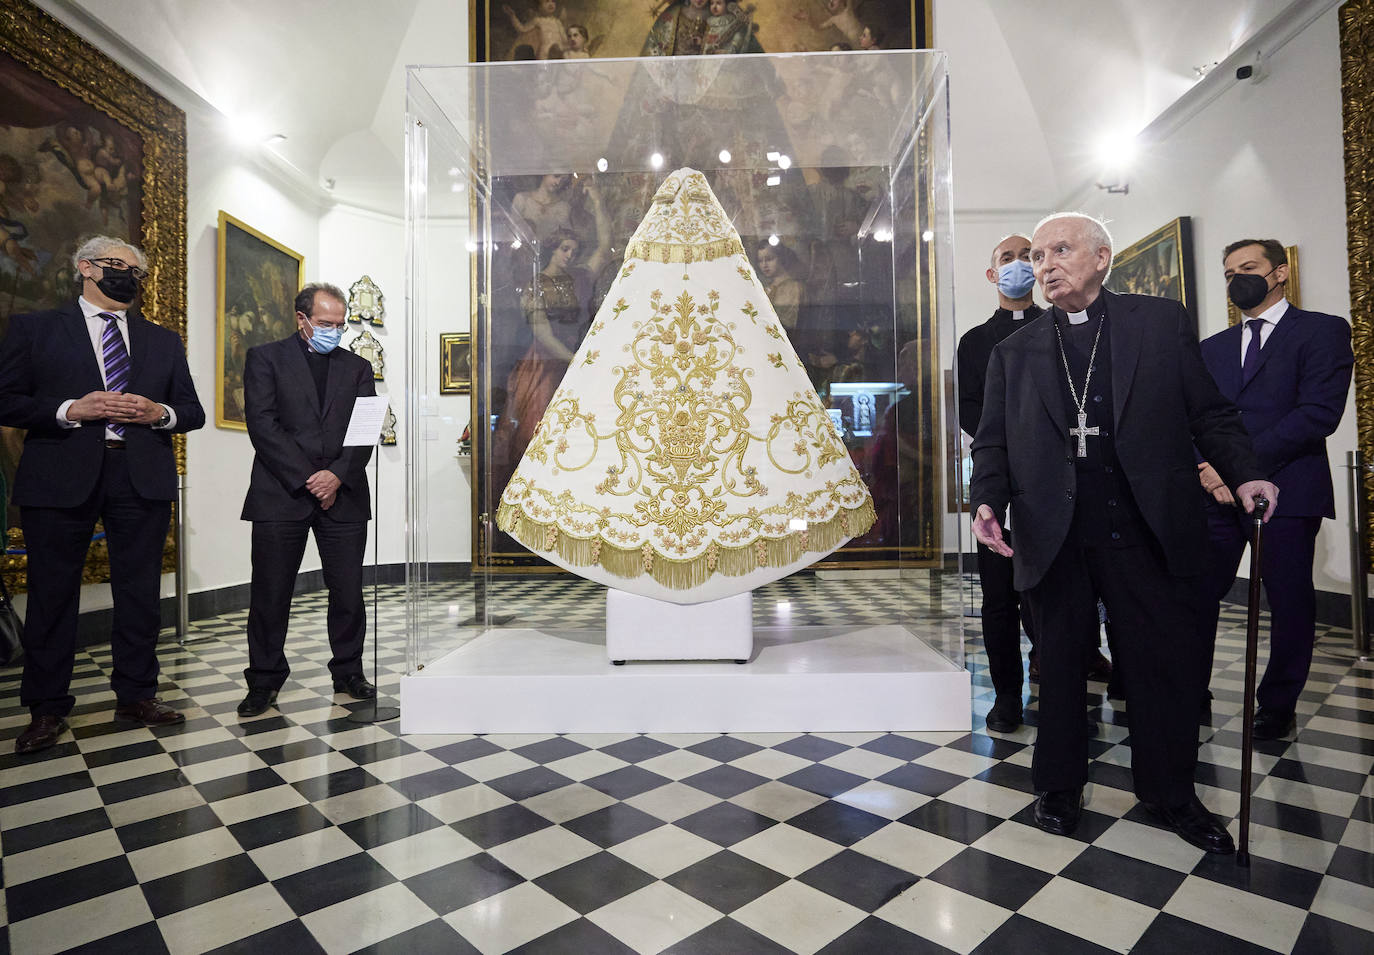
[{"x": 525, "y": 182}]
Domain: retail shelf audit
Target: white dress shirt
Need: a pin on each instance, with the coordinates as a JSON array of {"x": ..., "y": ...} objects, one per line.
[
  {"x": 1270, "y": 316},
  {"x": 95, "y": 326}
]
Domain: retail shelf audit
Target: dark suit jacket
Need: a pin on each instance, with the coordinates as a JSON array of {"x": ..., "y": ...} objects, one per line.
[
  {"x": 1164, "y": 402},
  {"x": 1293, "y": 402},
  {"x": 975, "y": 347},
  {"x": 294, "y": 436},
  {"x": 45, "y": 359}
]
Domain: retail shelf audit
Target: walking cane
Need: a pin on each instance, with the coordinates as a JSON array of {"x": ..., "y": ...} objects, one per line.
[{"x": 1247, "y": 733}]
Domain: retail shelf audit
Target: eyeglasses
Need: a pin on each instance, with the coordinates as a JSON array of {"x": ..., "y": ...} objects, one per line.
[{"x": 118, "y": 265}]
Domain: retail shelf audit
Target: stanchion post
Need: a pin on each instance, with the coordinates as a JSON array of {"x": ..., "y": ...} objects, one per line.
[
  {"x": 182, "y": 584},
  {"x": 1359, "y": 578}
]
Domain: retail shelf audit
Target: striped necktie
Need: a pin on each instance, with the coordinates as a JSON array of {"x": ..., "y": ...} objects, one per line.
[{"x": 116, "y": 359}]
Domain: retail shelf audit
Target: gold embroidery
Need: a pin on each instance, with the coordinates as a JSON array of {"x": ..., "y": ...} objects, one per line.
[{"x": 685, "y": 224}]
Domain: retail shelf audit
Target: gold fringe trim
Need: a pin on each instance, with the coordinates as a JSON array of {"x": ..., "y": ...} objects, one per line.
[
  {"x": 671, "y": 252},
  {"x": 692, "y": 572}
]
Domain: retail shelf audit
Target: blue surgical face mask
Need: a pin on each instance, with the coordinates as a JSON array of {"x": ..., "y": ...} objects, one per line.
[
  {"x": 324, "y": 340},
  {"x": 1016, "y": 278}
]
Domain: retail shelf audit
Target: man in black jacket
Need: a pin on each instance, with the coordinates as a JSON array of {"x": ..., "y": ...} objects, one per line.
[
  {"x": 100, "y": 390},
  {"x": 1089, "y": 421},
  {"x": 299, "y": 395}
]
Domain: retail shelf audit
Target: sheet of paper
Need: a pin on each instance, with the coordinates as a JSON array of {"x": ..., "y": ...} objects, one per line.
[{"x": 365, "y": 427}]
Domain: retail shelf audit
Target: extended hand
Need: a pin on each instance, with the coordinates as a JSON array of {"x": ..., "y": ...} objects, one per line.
[
  {"x": 1213, "y": 484},
  {"x": 1251, "y": 490},
  {"x": 324, "y": 485},
  {"x": 989, "y": 532},
  {"x": 133, "y": 409},
  {"x": 91, "y": 407}
]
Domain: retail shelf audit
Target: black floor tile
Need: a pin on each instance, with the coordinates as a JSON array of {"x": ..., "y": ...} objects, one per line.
[
  {"x": 290, "y": 752},
  {"x": 1091, "y": 825},
  {"x": 1326, "y": 776},
  {"x": 991, "y": 878},
  {"x": 528, "y": 783},
  {"x": 952, "y": 821},
  {"x": 899, "y": 747},
  {"x": 550, "y": 750},
  {"x": 43, "y": 788},
  {"x": 433, "y": 783},
  {"x": 724, "y": 782},
  {"x": 458, "y": 884},
  {"x": 435, "y": 936},
  {"x": 455, "y": 753},
  {"x": 1352, "y": 865},
  {"x": 626, "y": 782},
  {"x": 28, "y": 899},
  {"x": 724, "y": 748},
  {"x": 590, "y": 883},
  {"x": 192, "y": 887},
  {"x": 54, "y": 830},
  {"x": 378, "y": 751},
  {"x": 814, "y": 748},
  {"x": 1009, "y": 776},
  {"x": 119, "y": 754},
  {"x": 334, "y": 784},
  {"x": 1324, "y": 936},
  {"x": 873, "y": 936},
  {"x": 389, "y": 826},
  {"x": 863, "y": 882},
  {"x": 576, "y": 938},
  {"x": 726, "y": 881},
  {"x": 1170, "y": 935},
  {"x": 1019, "y": 935},
  {"x": 500, "y": 825},
  {"x": 1305, "y": 822},
  {"x": 823, "y": 780},
  {"x": 290, "y": 936},
  {"x": 612, "y": 825},
  {"x": 337, "y": 881},
  {"x": 637, "y": 749},
  {"x": 1133, "y": 879},
  {"x": 142, "y": 939},
  {"x": 203, "y": 754},
  {"x": 278, "y": 826},
  {"x": 837, "y": 822},
  {"x": 725, "y": 823},
  {"x": 922, "y": 779},
  {"x": 728, "y": 937},
  {"x": 984, "y": 745}
]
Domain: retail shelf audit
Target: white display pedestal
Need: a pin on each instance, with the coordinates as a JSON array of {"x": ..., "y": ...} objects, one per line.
[
  {"x": 809, "y": 679},
  {"x": 642, "y": 628}
]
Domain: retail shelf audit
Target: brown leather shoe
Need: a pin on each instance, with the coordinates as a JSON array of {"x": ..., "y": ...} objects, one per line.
[
  {"x": 42, "y": 733},
  {"x": 149, "y": 712}
]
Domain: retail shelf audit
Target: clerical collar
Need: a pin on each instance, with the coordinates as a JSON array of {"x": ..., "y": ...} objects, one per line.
[
  {"x": 1096, "y": 309},
  {"x": 1018, "y": 314}
]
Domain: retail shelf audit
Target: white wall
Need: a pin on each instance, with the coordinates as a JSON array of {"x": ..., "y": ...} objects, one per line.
[{"x": 1262, "y": 160}]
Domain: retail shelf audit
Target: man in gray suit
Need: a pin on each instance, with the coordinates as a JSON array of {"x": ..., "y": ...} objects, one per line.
[
  {"x": 299, "y": 394},
  {"x": 1089, "y": 420}
]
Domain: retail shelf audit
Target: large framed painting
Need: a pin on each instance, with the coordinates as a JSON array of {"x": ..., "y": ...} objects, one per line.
[
  {"x": 85, "y": 149},
  {"x": 1159, "y": 264},
  {"x": 257, "y": 282},
  {"x": 833, "y": 292},
  {"x": 1292, "y": 288}
]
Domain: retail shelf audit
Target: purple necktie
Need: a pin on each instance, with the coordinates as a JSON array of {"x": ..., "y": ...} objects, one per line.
[
  {"x": 1250, "y": 365},
  {"x": 116, "y": 358}
]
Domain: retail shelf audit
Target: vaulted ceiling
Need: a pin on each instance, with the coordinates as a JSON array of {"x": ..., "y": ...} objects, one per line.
[{"x": 1034, "y": 86}]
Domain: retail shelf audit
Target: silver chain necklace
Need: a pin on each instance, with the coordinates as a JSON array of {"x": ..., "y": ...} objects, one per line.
[{"x": 1082, "y": 432}]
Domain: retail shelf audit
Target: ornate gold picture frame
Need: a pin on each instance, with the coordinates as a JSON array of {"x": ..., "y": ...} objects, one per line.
[
  {"x": 255, "y": 303},
  {"x": 455, "y": 363},
  {"x": 85, "y": 148},
  {"x": 1159, "y": 264}
]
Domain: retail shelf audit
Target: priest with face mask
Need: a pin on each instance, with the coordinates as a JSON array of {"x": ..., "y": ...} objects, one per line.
[
  {"x": 299, "y": 395},
  {"x": 1288, "y": 371},
  {"x": 100, "y": 390}
]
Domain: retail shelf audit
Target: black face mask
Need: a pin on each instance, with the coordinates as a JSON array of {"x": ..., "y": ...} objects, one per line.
[
  {"x": 1247, "y": 289},
  {"x": 118, "y": 286}
]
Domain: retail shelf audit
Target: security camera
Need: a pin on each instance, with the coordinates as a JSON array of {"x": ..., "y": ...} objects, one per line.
[
  {"x": 1245, "y": 72},
  {"x": 1253, "y": 72}
]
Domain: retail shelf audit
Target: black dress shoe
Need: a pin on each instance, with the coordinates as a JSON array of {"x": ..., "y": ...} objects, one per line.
[
  {"x": 41, "y": 734},
  {"x": 1005, "y": 715},
  {"x": 1058, "y": 810},
  {"x": 356, "y": 686},
  {"x": 1099, "y": 668},
  {"x": 149, "y": 713},
  {"x": 1195, "y": 825},
  {"x": 1274, "y": 724},
  {"x": 257, "y": 701}
]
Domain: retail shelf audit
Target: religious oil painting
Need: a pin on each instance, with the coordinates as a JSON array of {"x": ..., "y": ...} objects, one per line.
[
  {"x": 811, "y": 225},
  {"x": 1159, "y": 264},
  {"x": 85, "y": 149},
  {"x": 1292, "y": 289},
  {"x": 257, "y": 282}
]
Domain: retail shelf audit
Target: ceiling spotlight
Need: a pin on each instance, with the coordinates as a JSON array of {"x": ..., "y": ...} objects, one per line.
[
  {"x": 725, "y": 155},
  {"x": 772, "y": 240},
  {"x": 454, "y": 171},
  {"x": 515, "y": 243},
  {"x": 471, "y": 246},
  {"x": 772, "y": 155},
  {"x": 656, "y": 160},
  {"x": 602, "y": 165},
  {"x": 784, "y": 161},
  {"x": 927, "y": 235},
  {"x": 774, "y": 180},
  {"x": 882, "y": 235}
]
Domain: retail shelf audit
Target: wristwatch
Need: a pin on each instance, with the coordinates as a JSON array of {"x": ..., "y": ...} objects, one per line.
[{"x": 165, "y": 420}]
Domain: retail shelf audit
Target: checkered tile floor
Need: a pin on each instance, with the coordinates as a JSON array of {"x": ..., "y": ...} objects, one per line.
[{"x": 301, "y": 831}]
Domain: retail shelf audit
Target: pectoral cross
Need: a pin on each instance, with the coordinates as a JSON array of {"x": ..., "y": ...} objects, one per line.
[{"x": 1082, "y": 433}]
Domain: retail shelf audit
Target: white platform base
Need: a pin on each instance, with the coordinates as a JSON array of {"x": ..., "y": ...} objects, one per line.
[
  {"x": 642, "y": 628},
  {"x": 836, "y": 679}
]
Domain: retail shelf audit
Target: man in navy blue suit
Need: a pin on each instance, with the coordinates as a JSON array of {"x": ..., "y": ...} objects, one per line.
[
  {"x": 1288, "y": 371},
  {"x": 100, "y": 391}
]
